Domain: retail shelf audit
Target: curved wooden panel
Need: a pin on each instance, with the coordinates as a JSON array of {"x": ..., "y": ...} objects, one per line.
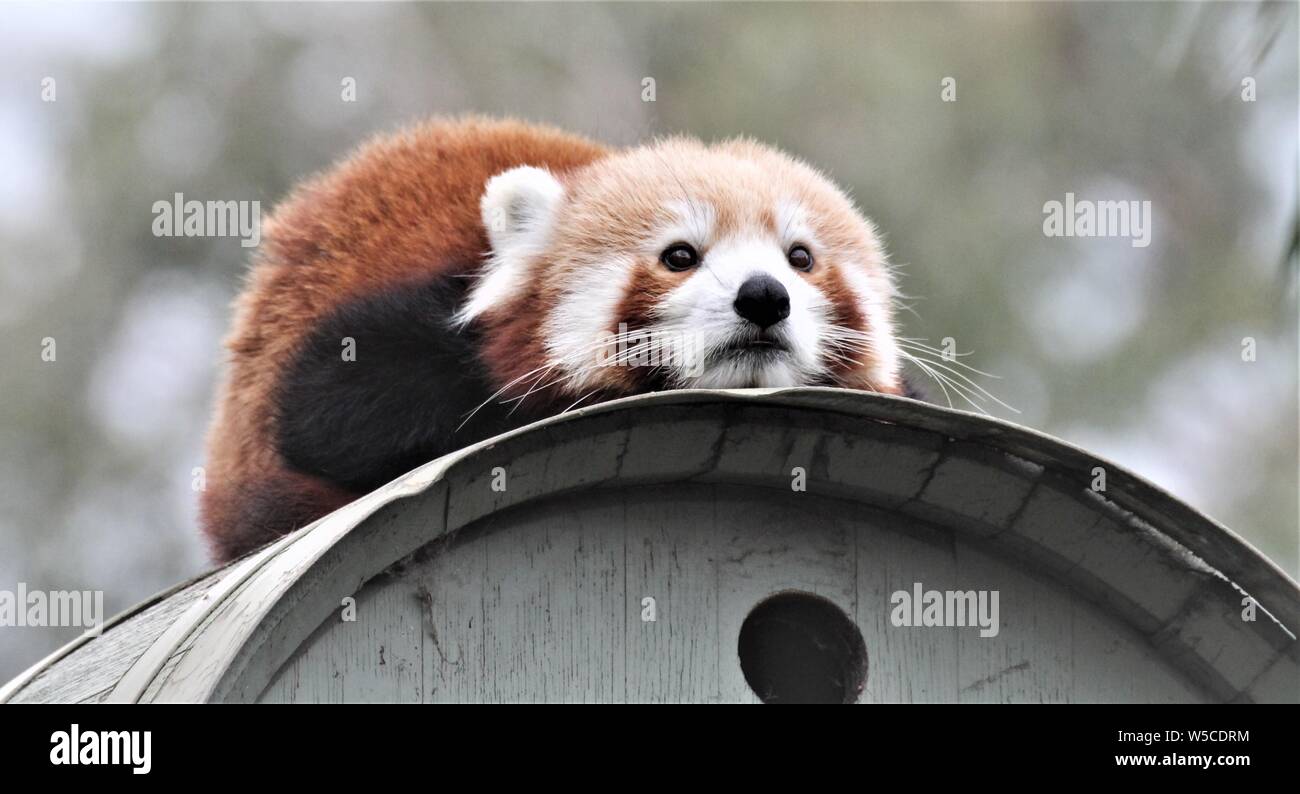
[{"x": 897, "y": 492}]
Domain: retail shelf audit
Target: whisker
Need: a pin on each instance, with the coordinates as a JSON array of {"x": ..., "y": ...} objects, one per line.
[{"x": 969, "y": 381}]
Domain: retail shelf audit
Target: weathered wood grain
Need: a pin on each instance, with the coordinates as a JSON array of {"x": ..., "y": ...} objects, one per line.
[
  {"x": 465, "y": 592},
  {"x": 90, "y": 671},
  {"x": 545, "y": 605}
]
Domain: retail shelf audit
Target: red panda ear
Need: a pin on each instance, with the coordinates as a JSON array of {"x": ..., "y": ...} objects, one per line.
[{"x": 518, "y": 208}]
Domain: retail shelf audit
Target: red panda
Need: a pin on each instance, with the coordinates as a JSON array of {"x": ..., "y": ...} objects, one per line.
[{"x": 464, "y": 277}]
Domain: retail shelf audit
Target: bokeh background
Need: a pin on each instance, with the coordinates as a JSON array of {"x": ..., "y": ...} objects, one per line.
[{"x": 1133, "y": 353}]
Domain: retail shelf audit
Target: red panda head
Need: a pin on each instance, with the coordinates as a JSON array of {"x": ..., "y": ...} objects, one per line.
[{"x": 681, "y": 265}]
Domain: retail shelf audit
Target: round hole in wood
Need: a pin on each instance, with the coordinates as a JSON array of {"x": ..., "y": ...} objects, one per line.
[{"x": 800, "y": 648}]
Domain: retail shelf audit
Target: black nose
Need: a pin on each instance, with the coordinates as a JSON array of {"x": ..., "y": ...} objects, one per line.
[{"x": 763, "y": 301}]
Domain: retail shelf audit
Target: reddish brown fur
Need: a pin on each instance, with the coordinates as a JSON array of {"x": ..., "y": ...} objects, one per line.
[
  {"x": 406, "y": 207},
  {"x": 402, "y": 207}
]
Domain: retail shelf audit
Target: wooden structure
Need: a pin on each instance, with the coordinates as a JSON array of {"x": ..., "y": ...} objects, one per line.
[{"x": 631, "y": 551}]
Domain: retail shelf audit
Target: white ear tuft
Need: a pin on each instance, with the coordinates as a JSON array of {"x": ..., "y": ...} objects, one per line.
[{"x": 517, "y": 206}]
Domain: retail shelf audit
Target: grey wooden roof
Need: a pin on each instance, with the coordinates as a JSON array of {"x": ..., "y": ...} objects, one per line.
[{"x": 1176, "y": 578}]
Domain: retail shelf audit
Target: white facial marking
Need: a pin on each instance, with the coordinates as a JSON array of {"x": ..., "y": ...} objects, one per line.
[
  {"x": 580, "y": 324},
  {"x": 704, "y": 305},
  {"x": 792, "y": 225},
  {"x": 694, "y": 225}
]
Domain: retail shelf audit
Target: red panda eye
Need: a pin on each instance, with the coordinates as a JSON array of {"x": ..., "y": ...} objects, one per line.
[
  {"x": 800, "y": 258},
  {"x": 679, "y": 256}
]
